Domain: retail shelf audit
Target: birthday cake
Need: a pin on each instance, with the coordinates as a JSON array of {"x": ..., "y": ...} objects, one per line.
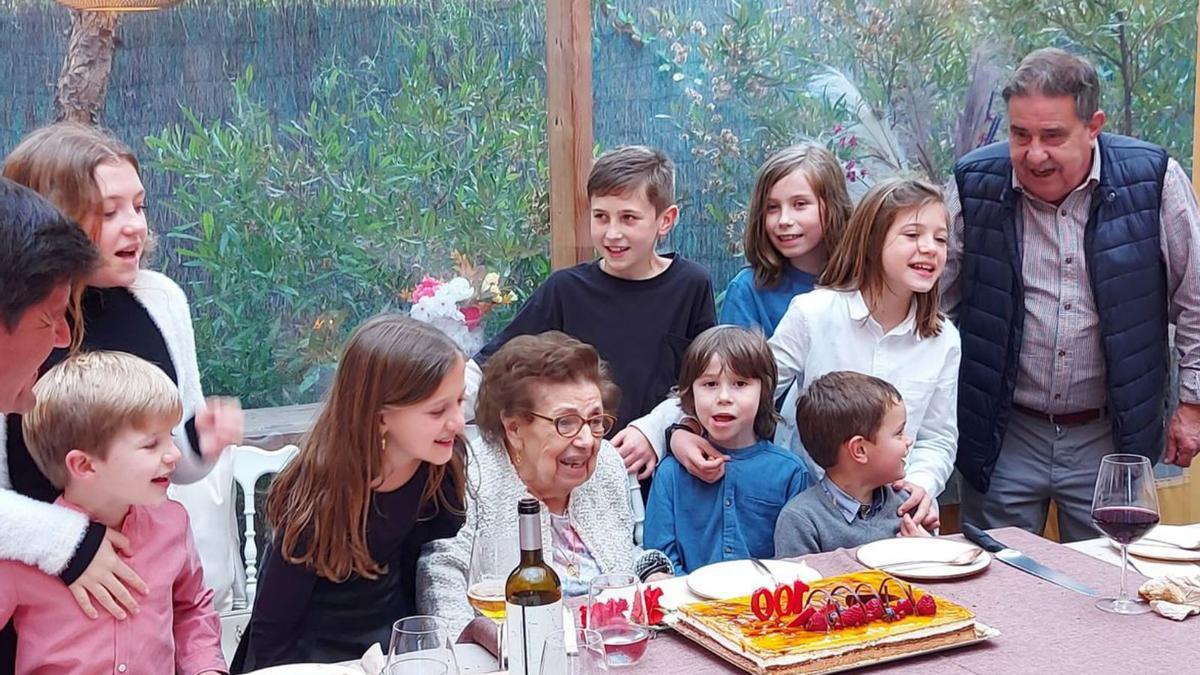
[{"x": 840, "y": 622}]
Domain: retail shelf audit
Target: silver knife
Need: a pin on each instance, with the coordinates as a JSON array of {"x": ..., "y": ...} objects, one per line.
[{"x": 1024, "y": 562}]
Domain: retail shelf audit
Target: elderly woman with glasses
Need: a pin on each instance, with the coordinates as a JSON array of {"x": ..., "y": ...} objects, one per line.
[{"x": 542, "y": 413}]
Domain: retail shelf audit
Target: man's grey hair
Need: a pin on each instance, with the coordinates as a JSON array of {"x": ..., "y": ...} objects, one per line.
[{"x": 1053, "y": 72}]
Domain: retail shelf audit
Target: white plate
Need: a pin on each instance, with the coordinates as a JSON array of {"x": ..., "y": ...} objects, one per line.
[
  {"x": 1156, "y": 551},
  {"x": 905, "y": 549},
  {"x": 736, "y": 578}
]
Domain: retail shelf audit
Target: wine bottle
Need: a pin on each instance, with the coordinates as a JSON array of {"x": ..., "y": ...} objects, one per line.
[{"x": 532, "y": 596}]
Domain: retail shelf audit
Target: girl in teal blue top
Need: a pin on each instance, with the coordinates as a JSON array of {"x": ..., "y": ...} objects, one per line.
[
  {"x": 798, "y": 211},
  {"x": 726, "y": 382}
]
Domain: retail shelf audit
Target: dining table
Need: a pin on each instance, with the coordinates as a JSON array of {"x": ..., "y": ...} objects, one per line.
[{"x": 1042, "y": 627}]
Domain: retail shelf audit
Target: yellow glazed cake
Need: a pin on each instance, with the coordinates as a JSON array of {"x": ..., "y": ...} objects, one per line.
[{"x": 840, "y": 622}]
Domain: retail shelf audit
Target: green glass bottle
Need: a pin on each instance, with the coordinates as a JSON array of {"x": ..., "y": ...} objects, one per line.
[{"x": 532, "y": 596}]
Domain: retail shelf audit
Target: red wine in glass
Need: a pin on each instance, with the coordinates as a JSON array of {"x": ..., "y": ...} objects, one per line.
[
  {"x": 1124, "y": 524},
  {"x": 1124, "y": 508}
]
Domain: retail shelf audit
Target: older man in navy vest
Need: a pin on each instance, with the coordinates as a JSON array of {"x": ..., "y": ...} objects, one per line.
[{"x": 1071, "y": 253}]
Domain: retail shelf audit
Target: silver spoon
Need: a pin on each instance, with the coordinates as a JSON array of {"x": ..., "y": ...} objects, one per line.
[{"x": 960, "y": 560}]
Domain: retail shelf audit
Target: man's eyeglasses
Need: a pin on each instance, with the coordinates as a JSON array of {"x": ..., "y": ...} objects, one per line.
[{"x": 569, "y": 425}]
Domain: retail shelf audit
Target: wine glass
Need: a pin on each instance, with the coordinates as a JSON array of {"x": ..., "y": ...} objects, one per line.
[
  {"x": 488, "y": 571},
  {"x": 418, "y": 639},
  {"x": 1124, "y": 508},
  {"x": 617, "y": 612},
  {"x": 584, "y": 657}
]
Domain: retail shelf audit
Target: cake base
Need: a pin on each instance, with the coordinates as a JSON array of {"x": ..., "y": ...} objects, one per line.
[
  {"x": 834, "y": 663},
  {"x": 770, "y": 645}
]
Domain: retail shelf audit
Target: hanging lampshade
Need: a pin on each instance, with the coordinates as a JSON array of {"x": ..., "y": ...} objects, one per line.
[{"x": 119, "y": 5}]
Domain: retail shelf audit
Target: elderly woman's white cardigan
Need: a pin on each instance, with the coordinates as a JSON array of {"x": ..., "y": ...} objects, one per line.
[
  {"x": 45, "y": 535},
  {"x": 599, "y": 510}
]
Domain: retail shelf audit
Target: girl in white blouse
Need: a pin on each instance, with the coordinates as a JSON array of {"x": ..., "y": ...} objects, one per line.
[{"x": 876, "y": 312}]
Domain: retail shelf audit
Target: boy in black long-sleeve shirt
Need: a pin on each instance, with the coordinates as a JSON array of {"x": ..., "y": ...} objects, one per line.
[{"x": 638, "y": 308}]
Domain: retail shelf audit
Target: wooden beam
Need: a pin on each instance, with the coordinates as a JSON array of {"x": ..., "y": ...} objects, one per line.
[
  {"x": 569, "y": 124},
  {"x": 1195, "y": 107}
]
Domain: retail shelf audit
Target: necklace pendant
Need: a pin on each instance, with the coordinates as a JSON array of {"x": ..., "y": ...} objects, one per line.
[{"x": 571, "y": 570}]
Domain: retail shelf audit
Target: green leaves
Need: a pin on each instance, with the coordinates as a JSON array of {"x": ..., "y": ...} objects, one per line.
[{"x": 301, "y": 228}]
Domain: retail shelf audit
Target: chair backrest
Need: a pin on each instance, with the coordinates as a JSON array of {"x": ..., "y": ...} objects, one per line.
[
  {"x": 637, "y": 508},
  {"x": 233, "y": 625},
  {"x": 249, "y": 465}
]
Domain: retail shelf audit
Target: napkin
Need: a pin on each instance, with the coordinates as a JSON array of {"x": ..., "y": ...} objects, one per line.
[
  {"x": 1183, "y": 536},
  {"x": 1153, "y": 569},
  {"x": 483, "y": 632},
  {"x": 1173, "y": 597},
  {"x": 372, "y": 661}
]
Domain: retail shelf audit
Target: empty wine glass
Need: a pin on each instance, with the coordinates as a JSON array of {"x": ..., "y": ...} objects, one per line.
[
  {"x": 616, "y": 611},
  {"x": 1124, "y": 508},
  {"x": 417, "y": 639},
  {"x": 583, "y": 657}
]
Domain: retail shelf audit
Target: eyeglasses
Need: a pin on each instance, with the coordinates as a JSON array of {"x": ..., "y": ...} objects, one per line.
[{"x": 569, "y": 425}]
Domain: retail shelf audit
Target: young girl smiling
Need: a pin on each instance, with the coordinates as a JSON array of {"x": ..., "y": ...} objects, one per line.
[
  {"x": 798, "y": 211},
  {"x": 379, "y": 475}
]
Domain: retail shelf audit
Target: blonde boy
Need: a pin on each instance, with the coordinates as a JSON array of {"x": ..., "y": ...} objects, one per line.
[
  {"x": 640, "y": 309},
  {"x": 101, "y": 432}
]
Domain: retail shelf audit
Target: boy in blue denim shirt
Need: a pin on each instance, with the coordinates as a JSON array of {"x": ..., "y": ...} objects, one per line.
[{"x": 726, "y": 383}]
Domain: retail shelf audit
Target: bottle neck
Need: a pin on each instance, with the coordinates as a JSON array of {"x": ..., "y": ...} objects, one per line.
[{"x": 530, "y": 536}]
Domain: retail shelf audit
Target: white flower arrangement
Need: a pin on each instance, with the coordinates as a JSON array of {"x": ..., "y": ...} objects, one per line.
[{"x": 457, "y": 307}]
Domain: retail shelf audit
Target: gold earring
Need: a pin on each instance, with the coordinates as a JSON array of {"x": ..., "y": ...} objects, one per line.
[
  {"x": 383, "y": 442},
  {"x": 516, "y": 454}
]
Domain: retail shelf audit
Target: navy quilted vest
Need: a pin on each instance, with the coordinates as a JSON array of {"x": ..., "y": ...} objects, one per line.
[{"x": 1128, "y": 281}]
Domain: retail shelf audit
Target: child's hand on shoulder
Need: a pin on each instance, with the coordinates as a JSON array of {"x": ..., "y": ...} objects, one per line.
[
  {"x": 635, "y": 449},
  {"x": 911, "y": 528},
  {"x": 919, "y": 503},
  {"x": 698, "y": 456},
  {"x": 218, "y": 426}
]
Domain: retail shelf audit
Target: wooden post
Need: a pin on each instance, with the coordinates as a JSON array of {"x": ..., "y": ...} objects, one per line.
[
  {"x": 569, "y": 124},
  {"x": 1195, "y": 109}
]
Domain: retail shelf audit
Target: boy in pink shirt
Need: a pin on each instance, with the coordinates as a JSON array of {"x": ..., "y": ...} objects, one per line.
[{"x": 101, "y": 432}]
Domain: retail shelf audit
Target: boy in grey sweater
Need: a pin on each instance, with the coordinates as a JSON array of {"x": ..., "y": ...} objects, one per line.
[{"x": 852, "y": 425}]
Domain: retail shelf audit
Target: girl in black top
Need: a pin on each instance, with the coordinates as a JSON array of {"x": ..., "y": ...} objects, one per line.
[{"x": 379, "y": 475}]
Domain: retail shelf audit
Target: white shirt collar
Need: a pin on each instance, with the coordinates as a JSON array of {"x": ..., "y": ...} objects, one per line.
[{"x": 856, "y": 306}]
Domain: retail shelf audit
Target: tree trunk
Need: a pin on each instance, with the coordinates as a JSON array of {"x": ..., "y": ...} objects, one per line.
[
  {"x": 1127, "y": 82},
  {"x": 83, "y": 82}
]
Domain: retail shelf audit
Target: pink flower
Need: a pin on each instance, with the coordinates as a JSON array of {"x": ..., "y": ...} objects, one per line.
[
  {"x": 837, "y": 128},
  {"x": 471, "y": 314},
  {"x": 426, "y": 289}
]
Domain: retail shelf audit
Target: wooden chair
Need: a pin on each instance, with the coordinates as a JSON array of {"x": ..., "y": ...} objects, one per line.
[
  {"x": 249, "y": 465},
  {"x": 233, "y": 625}
]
